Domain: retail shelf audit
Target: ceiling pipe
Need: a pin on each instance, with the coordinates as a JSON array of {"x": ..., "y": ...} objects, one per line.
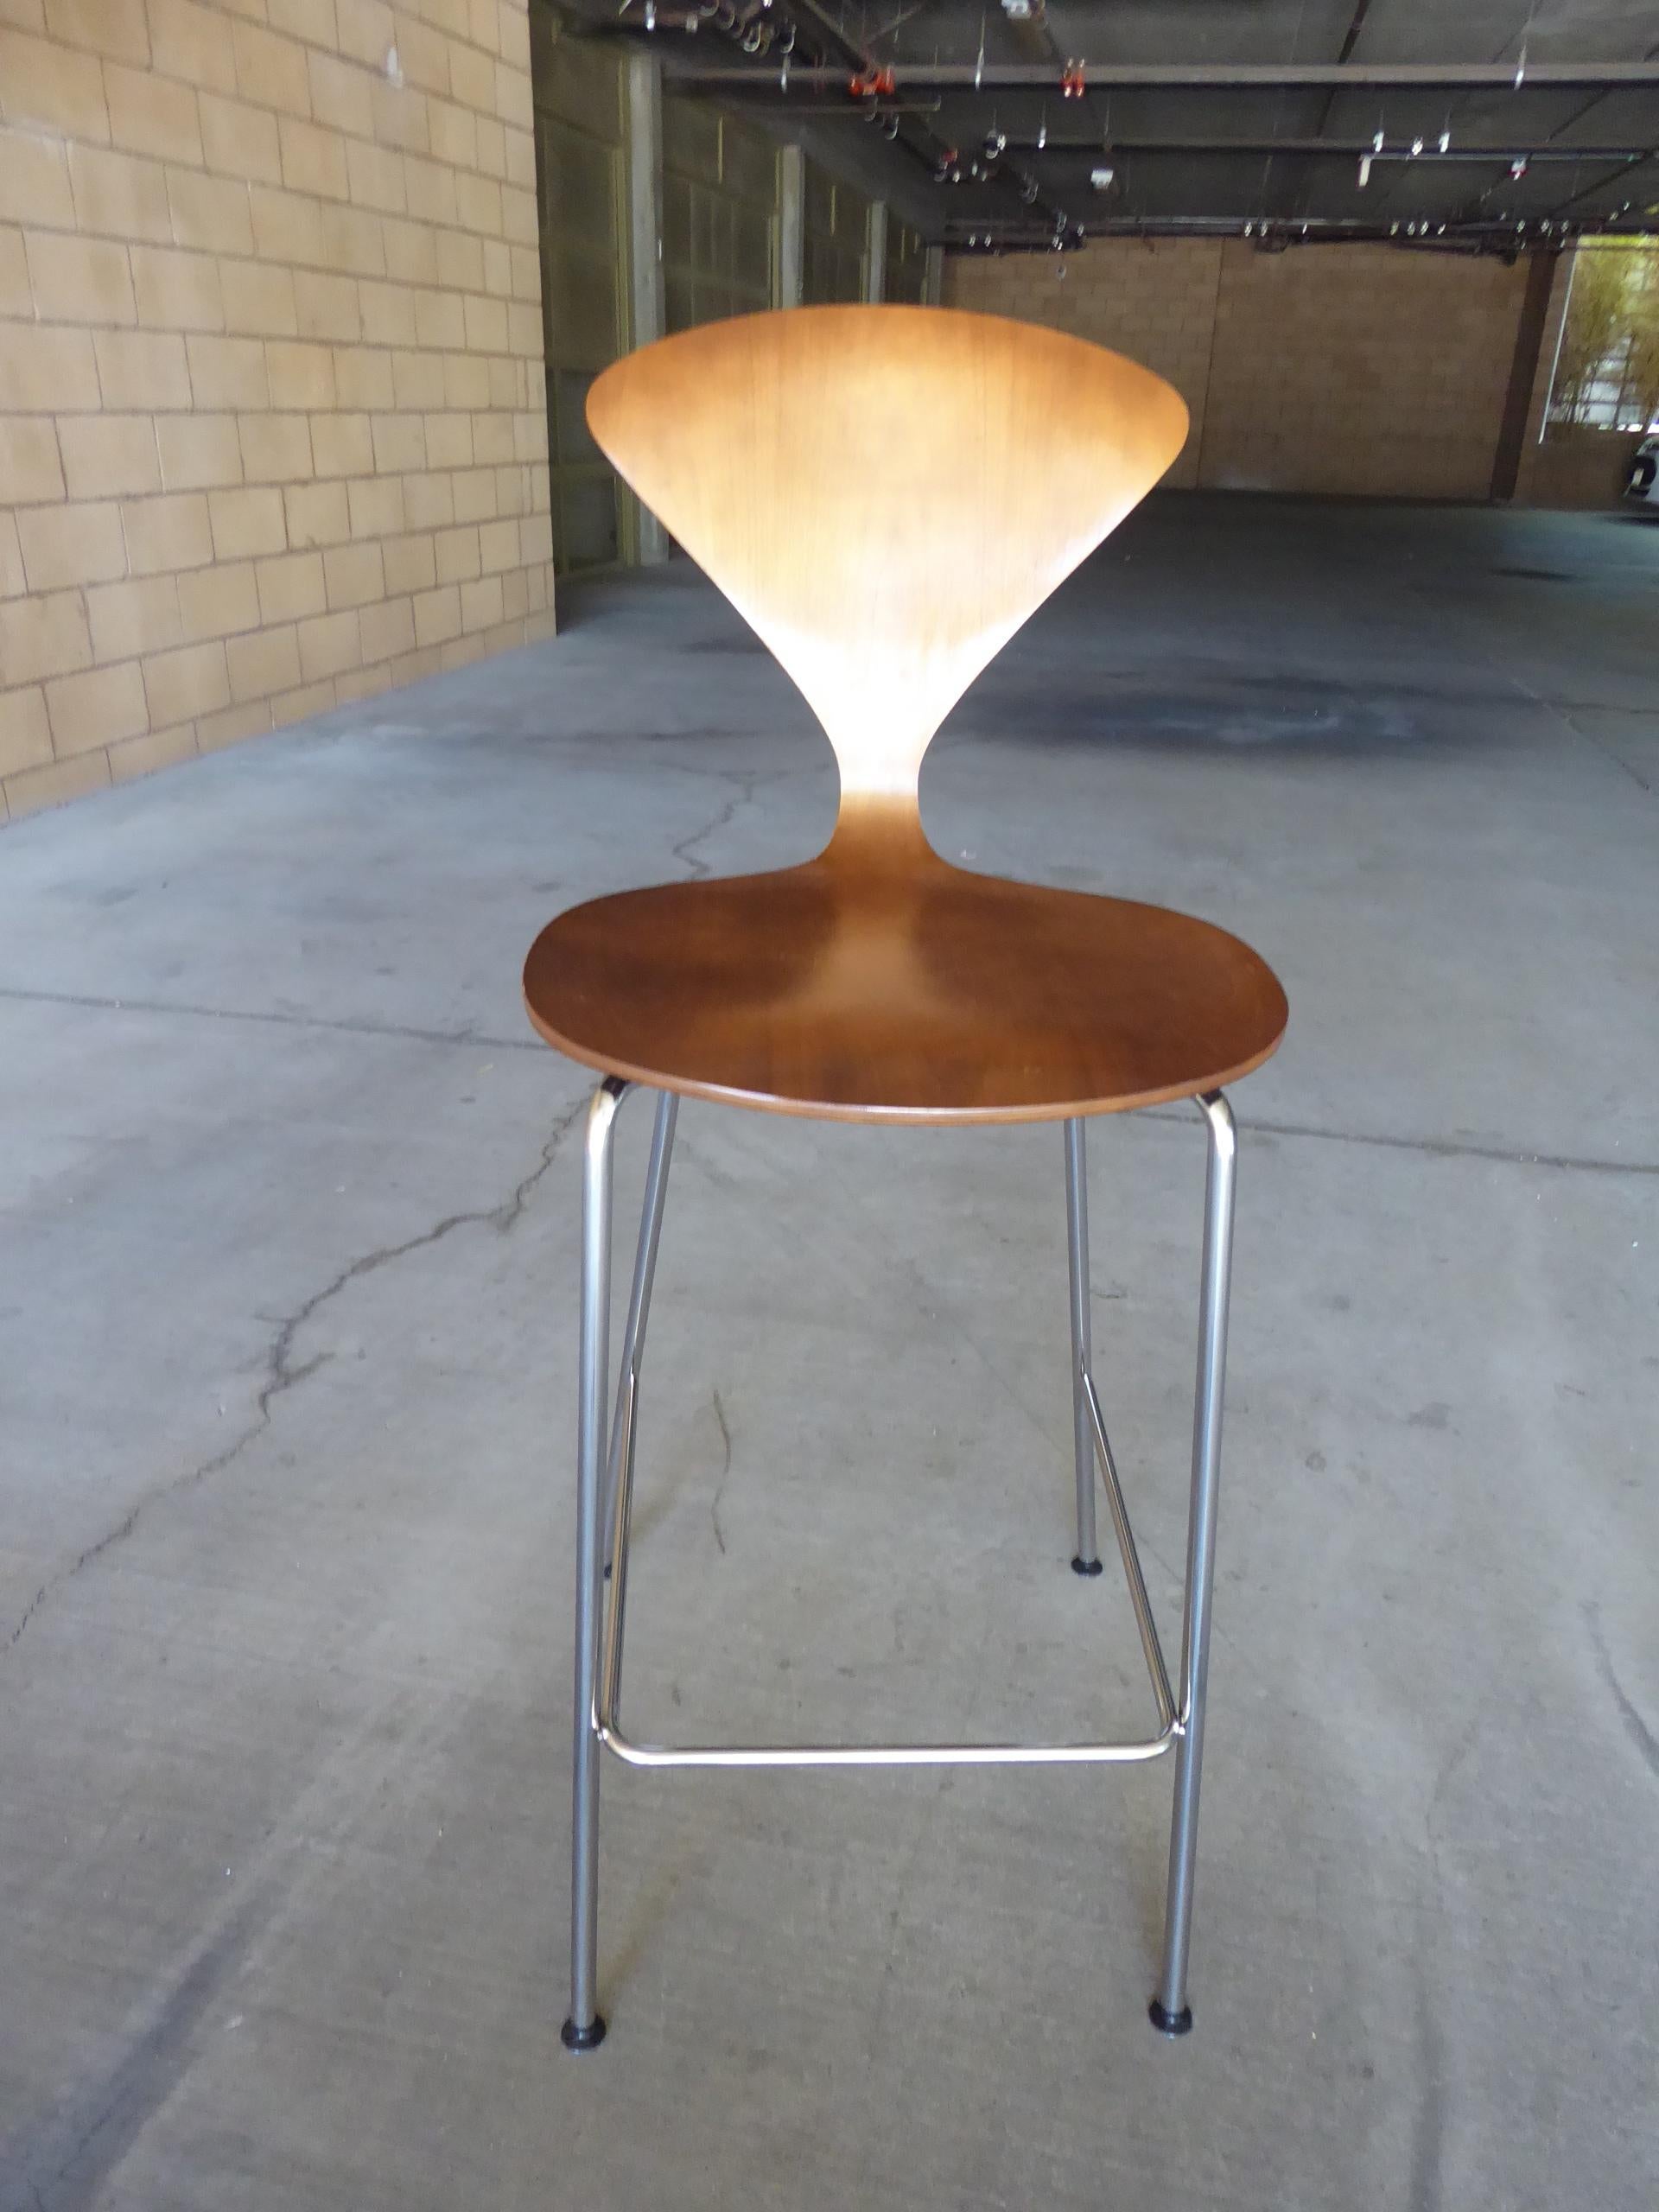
[
  {"x": 1504, "y": 237},
  {"x": 858, "y": 68},
  {"x": 1110, "y": 76},
  {"x": 1515, "y": 161},
  {"x": 1290, "y": 228},
  {"x": 747, "y": 23},
  {"x": 772, "y": 33},
  {"x": 1338, "y": 150}
]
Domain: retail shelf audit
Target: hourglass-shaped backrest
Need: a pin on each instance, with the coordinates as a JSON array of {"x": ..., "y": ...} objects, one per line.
[{"x": 886, "y": 495}]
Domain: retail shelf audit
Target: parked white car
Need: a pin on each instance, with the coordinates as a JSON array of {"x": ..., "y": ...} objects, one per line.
[{"x": 1643, "y": 482}]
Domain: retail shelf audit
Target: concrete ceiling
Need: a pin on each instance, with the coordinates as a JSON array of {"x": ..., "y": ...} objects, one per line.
[{"x": 1288, "y": 98}]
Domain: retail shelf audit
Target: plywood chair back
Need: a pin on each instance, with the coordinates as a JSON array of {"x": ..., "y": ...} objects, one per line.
[{"x": 885, "y": 494}]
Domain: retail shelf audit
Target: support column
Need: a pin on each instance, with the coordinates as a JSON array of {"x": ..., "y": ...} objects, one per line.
[
  {"x": 875, "y": 254},
  {"x": 791, "y": 221},
  {"x": 646, "y": 238},
  {"x": 933, "y": 276},
  {"x": 1542, "y": 265}
]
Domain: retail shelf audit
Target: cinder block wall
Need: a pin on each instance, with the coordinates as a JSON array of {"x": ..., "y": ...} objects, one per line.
[
  {"x": 1155, "y": 301},
  {"x": 1357, "y": 369},
  {"x": 273, "y": 430}
]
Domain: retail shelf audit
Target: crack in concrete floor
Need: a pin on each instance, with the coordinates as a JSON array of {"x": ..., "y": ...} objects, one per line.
[{"x": 282, "y": 1376}]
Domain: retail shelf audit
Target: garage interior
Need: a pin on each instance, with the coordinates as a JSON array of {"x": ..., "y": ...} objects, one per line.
[{"x": 334, "y": 660}]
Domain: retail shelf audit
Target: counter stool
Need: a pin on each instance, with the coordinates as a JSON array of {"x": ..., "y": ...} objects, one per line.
[{"x": 886, "y": 495}]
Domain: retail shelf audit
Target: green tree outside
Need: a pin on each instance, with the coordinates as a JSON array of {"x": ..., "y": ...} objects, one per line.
[{"x": 1607, "y": 369}]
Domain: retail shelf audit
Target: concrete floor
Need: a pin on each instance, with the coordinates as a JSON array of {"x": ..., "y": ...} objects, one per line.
[{"x": 288, "y": 1205}]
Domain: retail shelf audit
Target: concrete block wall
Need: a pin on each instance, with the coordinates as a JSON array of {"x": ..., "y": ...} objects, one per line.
[
  {"x": 1325, "y": 369},
  {"x": 273, "y": 428},
  {"x": 1154, "y": 300},
  {"x": 1359, "y": 369}
]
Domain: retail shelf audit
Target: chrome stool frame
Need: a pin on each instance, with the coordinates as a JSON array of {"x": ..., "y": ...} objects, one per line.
[{"x": 604, "y": 1494}]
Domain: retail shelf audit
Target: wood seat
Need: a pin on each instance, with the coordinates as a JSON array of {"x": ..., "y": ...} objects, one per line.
[
  {"x": 923, "y": 995},
  {"x": 886, "y": 495}
]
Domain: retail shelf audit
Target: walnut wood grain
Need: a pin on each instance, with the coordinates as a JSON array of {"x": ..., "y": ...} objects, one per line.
[
  {"x": 886, "y": 495},
  {"x": 930, "y": 994}
]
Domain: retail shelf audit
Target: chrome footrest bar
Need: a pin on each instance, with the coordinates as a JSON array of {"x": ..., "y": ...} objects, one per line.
[{"x": 656, "y": 1755}]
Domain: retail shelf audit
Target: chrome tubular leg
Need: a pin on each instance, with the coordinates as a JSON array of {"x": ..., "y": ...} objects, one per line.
[
  {"x": 1169, "y": 2009},
  {"x": 620, "y": 1509},
  {"x": 634, "y": 1336},
  {"x": 1086, "y": 1559},
  {"x": 584, "y": 2029}
]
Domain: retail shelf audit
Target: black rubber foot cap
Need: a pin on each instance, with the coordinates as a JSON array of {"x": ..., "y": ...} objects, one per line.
[
  {"x": 588, "y": 2038},
  {"x": 1087, "y": 1567},
  {"x": 1170, "y": 2024}
]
